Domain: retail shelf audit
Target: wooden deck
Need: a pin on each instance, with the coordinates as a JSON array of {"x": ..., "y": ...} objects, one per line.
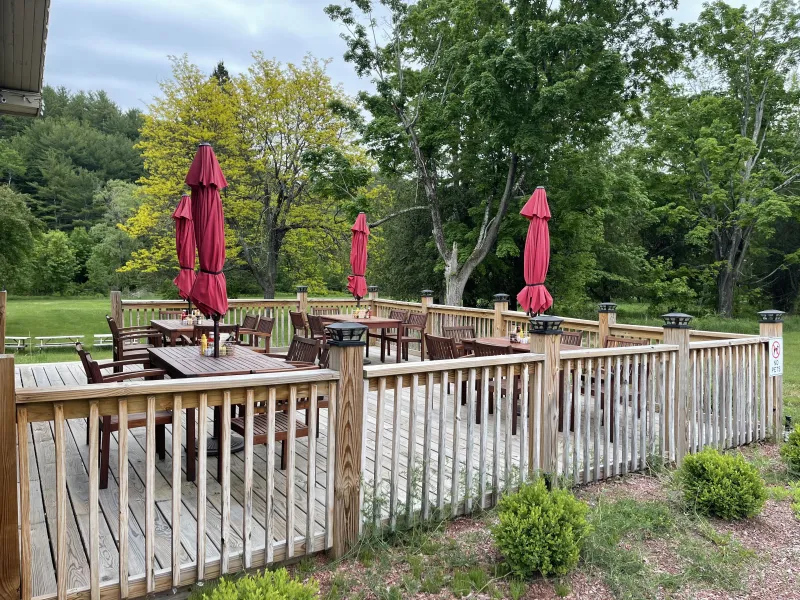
[{"x": 43, "y": 498}]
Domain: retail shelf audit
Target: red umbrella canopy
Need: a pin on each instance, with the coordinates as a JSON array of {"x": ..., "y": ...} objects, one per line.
[
  {"x": 209, "y": 292},
  {"x": 184, "y": 246},
  {"x": 534, "y": 298},
  {"x": 358, "y": 257}
]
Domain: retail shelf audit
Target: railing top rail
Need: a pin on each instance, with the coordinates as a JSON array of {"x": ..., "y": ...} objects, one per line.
[
  {"x": 722, "y": 335},
  {"x": 349, "y": 300},
  {"x": 172, "y": 386},
  {"x": 600, "y": 352},
  {"x": 518, "y": 314},
  {"x": 751, "y": 340},
  {"x": 461, "y": 309},
  {"x": 639, "y": 328},
  {"x": 433, "y": 366},
  {"x": 388, "y": 302},
  {"x": 231, "y": 302}
]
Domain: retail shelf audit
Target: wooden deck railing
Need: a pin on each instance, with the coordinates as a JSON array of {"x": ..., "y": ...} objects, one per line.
[{"x": 256, "y": 393}]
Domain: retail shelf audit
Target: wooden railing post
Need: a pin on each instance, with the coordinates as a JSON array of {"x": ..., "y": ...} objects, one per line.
[
  {"x": 770, "y": 324},
  {"x": 545, "y": 334},
  {"x": 372, "y": 295},
  {"x": 500, "y": 306},
  {"x": 347, "y": 357},
  {"x": 606, "y": 315},
  {"x": 426, "y": 299},
  {"x": 677, "y": 332},
  {"x": 9, "y": 525},
  {"x": 3, "y": 299},
  {"x": 302, "y": 298},
  {"x": 116, "y": 307}
]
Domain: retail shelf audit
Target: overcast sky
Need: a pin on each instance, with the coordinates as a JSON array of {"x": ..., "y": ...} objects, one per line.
[{"x": 122, "y": 46}]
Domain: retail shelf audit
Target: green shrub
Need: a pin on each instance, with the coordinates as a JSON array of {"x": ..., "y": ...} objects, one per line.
[
  {"x": 790, "y": 452},
  {"x": 541, "y": 530},
  {"x": 723, "y": 485},
  {"x": 269, "y": 585}
]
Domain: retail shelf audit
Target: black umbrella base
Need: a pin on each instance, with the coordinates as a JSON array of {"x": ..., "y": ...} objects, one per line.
[{"x": 212, "y": 445}]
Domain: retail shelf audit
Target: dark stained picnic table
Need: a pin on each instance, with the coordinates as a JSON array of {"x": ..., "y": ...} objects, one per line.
[{"x": 186, "y": 361}]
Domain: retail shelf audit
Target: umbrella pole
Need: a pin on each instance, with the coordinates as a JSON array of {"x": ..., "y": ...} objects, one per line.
[
  {"x": 190, "y": 306},
  {"x": 216, "y": 335}
]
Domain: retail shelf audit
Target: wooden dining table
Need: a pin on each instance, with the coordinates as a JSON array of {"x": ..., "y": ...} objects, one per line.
[
  {"x": 371, "y": 323},
  {"x": 172, "y": 329},
  {"x": 181, "y": 362}
]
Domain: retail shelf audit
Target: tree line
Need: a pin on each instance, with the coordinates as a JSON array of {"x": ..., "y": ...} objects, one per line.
[{"x": 669, "y": 153}]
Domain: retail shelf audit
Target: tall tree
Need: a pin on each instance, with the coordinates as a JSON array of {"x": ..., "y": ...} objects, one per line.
[
  {"x": 471, "y": 96},
  {"x": 722, "y": 146},
  {"x": 262, "y": 124}
]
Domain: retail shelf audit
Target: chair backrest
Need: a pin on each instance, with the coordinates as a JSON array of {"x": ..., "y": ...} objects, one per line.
[
  {"x": 90, "y": 366},
  {"x": 324, "y": 356},
  {"x": 208, "y": 330},
  {"x": 298, "y": 320},
  {"x": 572, "y": 338},
  {"x": 249, "y": 321},
  {"x": 170, "y": 314},
  {"x": 482, "y": 349},
  {"x": 316, "y": 325},
  {"x": 611, "y": 341},
  {"x": 459, "y": 332},
  {"x": 440, "y": 348},
  {"x": 265, "y": 325},
  {"x": 399, "y": 315},
  {"x": 417, "y": 321},
  {"x": 325, "y": 310},
  {"x": 112, "y": 325},
  {"x": 303, "y": 350}
]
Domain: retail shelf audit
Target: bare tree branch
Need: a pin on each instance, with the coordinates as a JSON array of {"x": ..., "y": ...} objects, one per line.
[{"x": 383, "y": 220}]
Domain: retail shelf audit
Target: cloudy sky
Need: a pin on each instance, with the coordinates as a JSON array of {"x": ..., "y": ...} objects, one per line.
[{"x": 122, "y": 46}]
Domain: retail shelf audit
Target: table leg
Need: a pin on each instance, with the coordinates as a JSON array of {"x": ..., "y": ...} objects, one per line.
[
  {"x": 191, "y": 452},
  {"x": 173, "y": 338},
  {"x": 400, "y": 334}
]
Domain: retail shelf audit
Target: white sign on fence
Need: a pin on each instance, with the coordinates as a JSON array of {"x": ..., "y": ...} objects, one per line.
[{"x": 775, "y": 357}]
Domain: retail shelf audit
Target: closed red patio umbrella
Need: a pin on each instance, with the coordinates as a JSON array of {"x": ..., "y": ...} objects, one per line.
[
  {"x": 534, "y": 297},
  {"x": 184, "y": 246},
  {"x": 356, "y": 282},
  {"x": 209, "y": 292}
]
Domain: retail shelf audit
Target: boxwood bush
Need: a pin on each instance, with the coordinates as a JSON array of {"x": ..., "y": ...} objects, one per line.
[
  {"x": 268, "y": 585},
  {"x": 790, "y": 452},
  {"x": 541, "y": 530},
  {"x": 722, "y": 485}
]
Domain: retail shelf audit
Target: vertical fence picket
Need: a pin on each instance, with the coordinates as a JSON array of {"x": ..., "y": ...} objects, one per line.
[
  {"x": 441, "y": 463},
  {"x": 224, "y": 477},
  {"x": 454, "y": 475},
  {"x": 377, "y": 477},
  {"x": 202, "y": 426},
  {"x": 498, "y": 414},
  {"x": 269, "y": 512},
  {"x": 471, "y": 391},
  {"x": 150, "y": 505},
  {"x": 606, "y": 419},
  {"x": 566, "y": 417},
  {"x": 394, "y": 489},
  {"x": 523, "y": 420},
  {"x": 291, "y": 451},
  {"x": 578, "y": 409},
  {"x": 483, "y": 437},
  {"x": 626, "y": 396},
  {"x": 641, "y": 402},
  {"x": 426, "y": 447},
  {"x": 26, "y": 555},
  {"x": 94, "y": 505},
  {"x": 634, "y": 401},
  {"x": 508, "y": 406},
  {"x": 598, "y": 377},
  {"x": 176, "y": 488},
  {"x": 412, "y": 449},
  {"x": 615, "y": 400},
  {"x": 247, "y": 516},
  {"x": 311, "y": 466}
]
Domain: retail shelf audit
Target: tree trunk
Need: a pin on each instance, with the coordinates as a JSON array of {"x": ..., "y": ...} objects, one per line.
[{"x": 726, "y": 282}]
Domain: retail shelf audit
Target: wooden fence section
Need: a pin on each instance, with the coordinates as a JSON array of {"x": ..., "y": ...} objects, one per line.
[
  {"x": 481, "y": 320},
  {"x": 270, "y": 396},
  {"x": 441, "y": 438}
]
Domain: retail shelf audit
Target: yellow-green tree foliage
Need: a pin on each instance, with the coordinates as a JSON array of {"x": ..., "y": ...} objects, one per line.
[{"x": 261, "y": 124}]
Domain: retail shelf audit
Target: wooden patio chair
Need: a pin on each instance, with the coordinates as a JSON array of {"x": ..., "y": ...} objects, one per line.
[
  {"x": 128, "y": 342},
  {"x": 484, "y": 349},
  {"x": 572, "y": 338},
  {"x": 248, "y": 328},
  {"x": 441, "y": 348},
  {"x": 261, "y": 431},
  {"x": 301, "y": 350},
  {"x": 110, "y": 423},
  {"x": 325, "y": 310},
  {"x": 263, "y": 331},
  {"x": 298, "y": 323},
  {"x": 398, "y": 315},
  {"x": 459, "y": 333},
  {"x": 611, "y": 341},
  {"x": 170, "y": 314},
  {"x": 415, "y": 322},
  {"x": 317, "y": 328}
]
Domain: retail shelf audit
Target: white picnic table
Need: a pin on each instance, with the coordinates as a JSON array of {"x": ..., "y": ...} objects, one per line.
[{"x": 57, "y": 341}]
